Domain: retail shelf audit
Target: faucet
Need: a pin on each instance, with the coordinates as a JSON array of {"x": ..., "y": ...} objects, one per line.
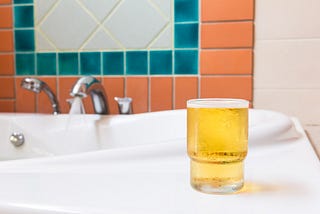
[
  {"x": 89, "y": 85},
  {"x": 36, "y": 85}
]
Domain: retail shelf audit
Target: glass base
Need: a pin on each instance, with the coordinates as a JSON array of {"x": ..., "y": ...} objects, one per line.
[{"x": 216, "y": 178}]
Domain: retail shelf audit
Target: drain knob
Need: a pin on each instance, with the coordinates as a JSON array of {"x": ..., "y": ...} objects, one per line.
[{"x": 17, "y": 139}]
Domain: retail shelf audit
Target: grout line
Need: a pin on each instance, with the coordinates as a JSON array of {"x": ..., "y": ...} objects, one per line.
[
  {"x": 159, "y": 10},
  {"x": 101, "y": 64},
  {"x": 287, "y": 39},
  {"x": 188, "y": 22},
  {"x": 158, "y": 36},
  {"x": 37, "y": 30},
  {"x": 227, "y": 48},
  {"x": 6, "y": 52},
  {"x": 7, "y": 99},
  {"x": 8, "y": 28},
  {"x": 173, "y": 79},
  {"x": 14, "y": 58},
  {"x": 224, "y": 75},
  {"x": 48, "y": 12},
  {"x": 227, "y": 21},
  {"x": 7, "y": 4},
  {"x": 149, "y": 93},
  {"x": 79, "y": 63}
]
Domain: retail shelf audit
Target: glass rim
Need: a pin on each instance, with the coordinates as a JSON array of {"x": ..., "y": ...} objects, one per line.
[{"x": 217, "y": 103}]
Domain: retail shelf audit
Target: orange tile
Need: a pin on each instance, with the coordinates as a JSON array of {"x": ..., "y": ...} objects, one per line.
[
  {"x": 64, "y": 87},
  {"x": 6, "y": 87},
  {"x": 6, "y": 64},
  {"x": 221, "y": 10},
  {"x": 185, "y": 88},
  {"x": 7, "y": 105},
  {"x": 226, "y": 87},
  {"x": 6, "y": 38},
  {"x": 161, "y": 93},
  {"x": 137, "y": 89},
  {"x": 43, "y": 103},
  {"x": 25, "y": 100},
  {"x": 227, "y": 35},
  {"x": 226, "y": 61},
  {"x": 6, "y": 17},
  {"x": 5, "y": 1},
  {"x": 114, "y": 87}
]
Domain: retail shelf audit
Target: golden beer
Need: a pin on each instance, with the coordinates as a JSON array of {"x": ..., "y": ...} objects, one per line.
[{"x": 217, "y": 143}]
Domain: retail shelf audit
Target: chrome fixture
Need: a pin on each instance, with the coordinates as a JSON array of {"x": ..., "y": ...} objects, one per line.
[
  {"x": 91, "y": 86},
  {"x": 36, "y": 85},
  {"x": 124, "y": 105},
  {"x": 17, "y": 139}
]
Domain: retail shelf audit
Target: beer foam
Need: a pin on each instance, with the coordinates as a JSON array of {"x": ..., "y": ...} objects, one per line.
[{"x": 217, "y": 103}]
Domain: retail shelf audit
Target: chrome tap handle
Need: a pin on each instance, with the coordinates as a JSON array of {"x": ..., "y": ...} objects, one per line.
[{"x": 124, "y": 104}]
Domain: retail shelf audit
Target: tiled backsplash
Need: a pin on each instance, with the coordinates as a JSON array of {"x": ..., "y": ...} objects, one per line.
[{"x": 160, "y": 52}]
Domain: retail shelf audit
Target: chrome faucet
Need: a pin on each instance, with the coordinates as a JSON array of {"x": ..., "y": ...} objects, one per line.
[
  {"x": 91, "y": 86},
  {"x": 36, "y": 85}
]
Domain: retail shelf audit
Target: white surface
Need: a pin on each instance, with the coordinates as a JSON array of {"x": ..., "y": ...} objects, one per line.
[
  {"x": 280, "y": 178},
  {"x": 287, "y": 42},
  {"x": 47, "y": 135}
]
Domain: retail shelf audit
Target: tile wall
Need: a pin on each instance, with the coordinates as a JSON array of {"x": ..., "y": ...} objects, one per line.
[
  {"x": 159, "y": 52},
  {"x": 287, "y": 68}
]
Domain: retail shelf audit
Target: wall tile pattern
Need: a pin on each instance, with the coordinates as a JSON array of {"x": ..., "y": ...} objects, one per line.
[
  {"x": 196, "y": 48},
  {"x": 287, "y": 58}
]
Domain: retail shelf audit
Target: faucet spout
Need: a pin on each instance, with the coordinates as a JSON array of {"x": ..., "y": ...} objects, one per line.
[
  {"x": 36, "y": 85},
  {"x": 91, "y": 86}
]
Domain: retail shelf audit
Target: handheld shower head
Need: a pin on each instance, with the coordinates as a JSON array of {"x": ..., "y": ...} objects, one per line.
[
  {"x": 36, "y": 85},
  {"x": 32, "y": 84}
]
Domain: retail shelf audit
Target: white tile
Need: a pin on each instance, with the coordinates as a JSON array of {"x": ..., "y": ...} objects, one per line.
[
  {"x": 165, "y": 6},
  {"x": 287, "y": 64},
  {"x": 43, "y": 44},
  {"x": 101, "y": 41},
  {"x": 73, "y": 25},
  {"x": 301, "y": 103},
  {"x": 164, "y": 40},
  {"x": 282, "y": 19},
  {"x": 68, "y": 26},
  {"x": 42, "y": 7},
  {"x": 100, "y": 8},
  {"x": 135, "y": 23}
]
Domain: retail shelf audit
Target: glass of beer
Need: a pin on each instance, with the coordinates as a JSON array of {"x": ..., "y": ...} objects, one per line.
[{"x": 217, "y": 136}]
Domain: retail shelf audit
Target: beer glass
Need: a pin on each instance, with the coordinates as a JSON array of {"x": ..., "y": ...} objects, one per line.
[{"x": 217, "y": 138}]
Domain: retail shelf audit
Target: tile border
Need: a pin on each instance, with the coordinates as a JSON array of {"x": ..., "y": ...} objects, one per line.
[{"x": 24, "y": 37}]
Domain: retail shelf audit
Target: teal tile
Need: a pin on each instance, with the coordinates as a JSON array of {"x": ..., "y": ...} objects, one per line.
[
  {"x": 90, "y": 63},
  {"x": 22, "y": 1},
  {"x": 24, "y": 40},
  {"x": 23, "y": 16},
  {"x": 186, "y": 35},
  {"x": 68, "y": 63},
  {"x": 113, "y": 63},
  {"x": 161, "y": 62},
  {"x": 25, "y": 64},
  {"x": 46, "y": 64},
  {"x": 137, "y": 63},
  {"x": 186, "y": 62},
  {"x": 186, "y": 10}
]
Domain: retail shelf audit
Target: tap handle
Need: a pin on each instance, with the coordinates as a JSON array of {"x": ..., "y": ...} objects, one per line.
[{"x": 124, "y": 104}]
